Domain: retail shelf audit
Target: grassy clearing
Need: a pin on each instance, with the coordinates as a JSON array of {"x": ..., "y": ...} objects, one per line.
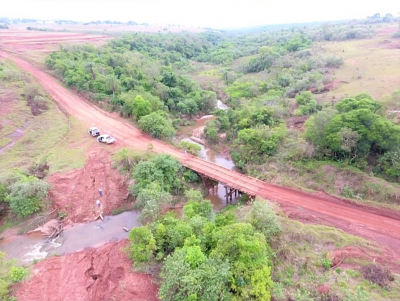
[
  {"x": 42, "y": 133},
  {"x": 50, "y": 136},
  {"x": 368, "y": 67},
  {"x": 301, "y": 252},
  {"x": 69, "y": 153}
]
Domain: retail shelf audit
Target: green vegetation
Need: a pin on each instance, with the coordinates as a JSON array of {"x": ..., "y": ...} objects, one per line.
[
  {"x": 138, "y": 76},
  {"x": 22, "y": 192},
  {"x": 234, "y": 255},
  {"x": 9, "y": 274},
  {"x": 159, "y": 180},
  {"x": 191, "y": 148},
  {"x": 354, "y": 132},
  {"x": 207, "y": 257}
]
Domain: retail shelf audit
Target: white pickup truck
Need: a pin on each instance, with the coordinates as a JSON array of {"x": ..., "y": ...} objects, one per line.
[
  {"x": 94, "y": 131},
  {"x": 107, "y": 139}
]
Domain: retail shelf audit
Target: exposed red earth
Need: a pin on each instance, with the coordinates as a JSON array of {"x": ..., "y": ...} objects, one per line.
[
  {"x": 103, "y": 273},
  {"x": 21, "y": 41},
  {"x": 381, "y": 225},
  {"x": 76, "y": 191}
]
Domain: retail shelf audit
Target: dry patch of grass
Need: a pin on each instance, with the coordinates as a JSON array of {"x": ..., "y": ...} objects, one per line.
[
  {"x": 70, "y": 152},
  {"x": 50, "y": 136},
  {"x": 368, "y": 67},
  {"x": 303, "y": 264}
]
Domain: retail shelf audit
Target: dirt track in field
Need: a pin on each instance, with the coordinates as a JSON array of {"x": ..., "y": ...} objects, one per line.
[{"x": 380, "y": 225}]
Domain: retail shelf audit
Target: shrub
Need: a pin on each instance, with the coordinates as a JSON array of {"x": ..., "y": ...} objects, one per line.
[
  {"x": 206, "y": 280},
  {"x": 18, "y": 274},
  {"x": 23, "y": 193},
  {"x": 142, "y": 245},
  {"x": 9, "y": 274},
  {"x": 157, "y": 125},
  {"x": 264, "y": 219},
  {"x": 126, "y": 159},
  {"x": 25, "y": 196},
  {"x": 326, "y": 262},
  {"x": 377, "y": 274},
  {"x": 190, "y": 147}
]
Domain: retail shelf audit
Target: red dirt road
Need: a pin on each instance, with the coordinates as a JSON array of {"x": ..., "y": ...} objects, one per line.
[{"x": 382, "y": 226}]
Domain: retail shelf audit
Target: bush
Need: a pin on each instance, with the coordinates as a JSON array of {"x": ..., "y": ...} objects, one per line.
[
  {"x": 25, "y": 196},
  {"x": 162, "y": 169},
  {"x": 151, "y": 199},
  {"x": 142, "y": 245},
  {"x": 157, "y": 125},
  {"x": 191, "y": 148},
  {"x": 24, "y": 193},
  {"x": 206, "y": 280},
  {"x": 126, "y": 159},
  {"x": 377, "y": 274},
  {"x": 263, "y": 218},
  {"x": 18, "y": 274},
  {"x": 9, "y": 274}
]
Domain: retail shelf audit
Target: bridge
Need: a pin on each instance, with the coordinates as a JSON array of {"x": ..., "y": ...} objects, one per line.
[{"x": 366, "y": 222}]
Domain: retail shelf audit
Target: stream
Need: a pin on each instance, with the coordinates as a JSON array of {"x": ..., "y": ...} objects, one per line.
[{"x": 28, "y": 248}]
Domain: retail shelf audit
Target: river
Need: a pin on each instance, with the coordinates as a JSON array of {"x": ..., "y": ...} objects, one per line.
[{"x": 28, "y": 248}]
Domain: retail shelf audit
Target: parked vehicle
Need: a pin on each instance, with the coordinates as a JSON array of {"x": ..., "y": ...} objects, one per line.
[
  {"x": 94, "y": 131},
  {"x": 107, "y": 139}
]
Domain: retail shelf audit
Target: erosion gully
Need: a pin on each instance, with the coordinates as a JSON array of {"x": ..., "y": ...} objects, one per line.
[{"x": 29, "y": 248}]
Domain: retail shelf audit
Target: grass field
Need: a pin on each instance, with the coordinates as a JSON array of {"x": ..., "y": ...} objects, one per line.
[
  {"x": 51, "y": 136},
  {"x": 303, "y": 250},
  {"x": 369, "y": 66}
]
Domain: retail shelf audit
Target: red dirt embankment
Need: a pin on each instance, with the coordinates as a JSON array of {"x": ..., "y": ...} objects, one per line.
[
  {"x": 103, "y": 273},
  {"x": 76, "y": 192}
]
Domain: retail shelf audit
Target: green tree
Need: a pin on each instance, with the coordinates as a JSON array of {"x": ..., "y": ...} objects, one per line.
[
  {"x": 315, "y": 127},
  {"x": 162, "y": 169},
  {"x": 389, "y": 164},
  {"x": 211, "y": 132},
  {"x": 374, "y": 132},
  {"x": 157, "y": 125},
  {"x": 89, "y": 66},
  {"x": 304, "y": 98},
  {"x": 9, "y": 274},
  {"x": 142, "y": 245},
  {"x": 141, "y": 107},
  {"x": 307, "y": 103},
  {"x": 360, "y": 101},
  {"x": 263, "y": 218},
  {"x": 202, "y": 208},
  {"x": 203, "y": 280},
  {"x": 113, "y": 84},
  {"x": 249, "y": 256},
  {"x": 24, "y": 193},
  {"x": 151, "y": 199},
  {"x": 192, "y": 195}
]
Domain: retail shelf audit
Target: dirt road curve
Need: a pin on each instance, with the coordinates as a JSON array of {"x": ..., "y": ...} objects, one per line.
[{"x": 379, "y": 225}]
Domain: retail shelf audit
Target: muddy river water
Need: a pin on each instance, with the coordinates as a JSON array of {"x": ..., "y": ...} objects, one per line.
[{"x": 28, "y": 248}]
